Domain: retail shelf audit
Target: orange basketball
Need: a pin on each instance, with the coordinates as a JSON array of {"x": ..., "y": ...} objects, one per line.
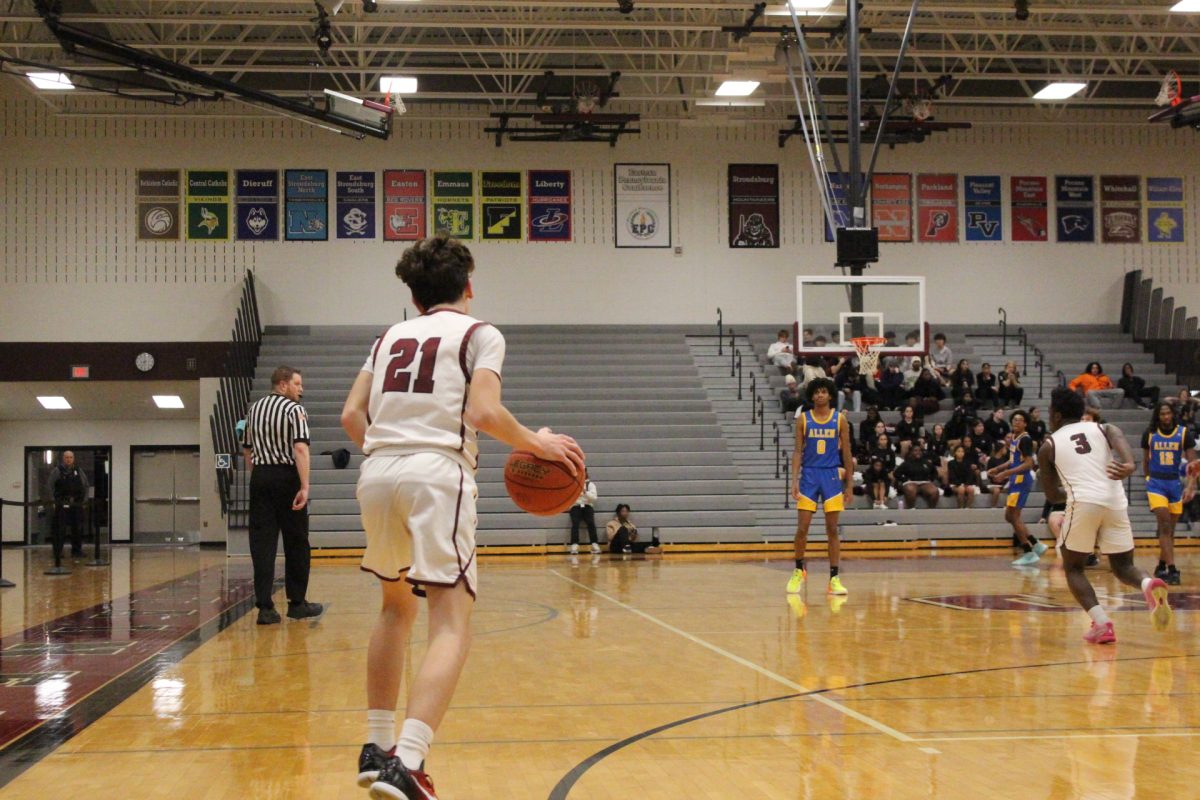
[
  {"x": 1193, "y": 468},
  {"x": 541, "y": 487}
]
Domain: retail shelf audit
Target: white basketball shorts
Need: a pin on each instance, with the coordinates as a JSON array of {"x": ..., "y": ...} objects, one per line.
[
  {"x": 1089, "y": 524},
  {"x": 419, "y": 514}
]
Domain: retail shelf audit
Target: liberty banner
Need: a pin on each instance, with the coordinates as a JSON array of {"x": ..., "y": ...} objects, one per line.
[
  {"x": 981, "y": 197},
  {"x": 937, "y": 208},
  {"x": 753, "y": 205},
  {"x": 501, "y": 200},
  {"x": 549, "y": 205},
  {"x": 891, "y": 206},
  {"x": 454, "y": 204},
  {"x": 306, "y": 204},
  {"x": 1164, "y": 210},
  {"x": 1075, "y": 211},
  {"x": 208, "y": 205},
  {"x": 403, "y": 205},
  {"x": 355, "y": 209},
  {"x": 158, "y": 193},
  {"x": 642, "y": 202},
  {"x": 256, "y": 195},
  {"x": 841, "y": 211},
  {"x": 1120, "y": 209},
  {"x": 1030, "y": 201}
]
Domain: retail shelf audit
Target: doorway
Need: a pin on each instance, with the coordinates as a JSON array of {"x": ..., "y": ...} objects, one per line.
[
  {"x": 165, "y": 501},
  {"x": 94, "y": 461}
]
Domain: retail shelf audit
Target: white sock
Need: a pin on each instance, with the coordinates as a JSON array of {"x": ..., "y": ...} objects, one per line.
[
  {"x": 1098, "y": 615},
  {"x": 1146, "y": 582},
  {"x": 381, "y": 728},
  {"x": 415, "y": 740}
]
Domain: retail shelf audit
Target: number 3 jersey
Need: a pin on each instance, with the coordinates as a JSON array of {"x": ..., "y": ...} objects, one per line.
[
  {"x": 1081, "y": 456},
  {"x": 421, "y": 375}
]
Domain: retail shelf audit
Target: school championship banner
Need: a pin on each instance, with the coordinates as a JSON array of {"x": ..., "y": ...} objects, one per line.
[
  {"x": 753, "y": 205},
  {"x": 207, "y": 205},
  {"x": 1030, "y": 201},
  {"x": 355, "y": 205},
  {"x": 937, "y": 208},
  {"x": 1120, "y": 209},
  {"x": 1075, "y": 211},
  {"x": 643, "y": 205},
  {"x": 549, "y": 205},
  {"x": 1164, "y": 210},
  {"x": 158, "y": 193},
  {"x": 981, "y": 198},
  {"x": 403, "y": 205},
  {"x": 306, "y": 205},
  {"x": 256, "y": 196},
  {"x": 891, "y": 206},
  {"x": 841, "y": 209},
  {"x": 501, "y": 199},
  {"x": 454, "y": 204}
]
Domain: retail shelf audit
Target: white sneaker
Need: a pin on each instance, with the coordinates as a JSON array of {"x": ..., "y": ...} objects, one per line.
[
  {"x": 574, "y": 550},
  {"x": 595, "y": 548}
]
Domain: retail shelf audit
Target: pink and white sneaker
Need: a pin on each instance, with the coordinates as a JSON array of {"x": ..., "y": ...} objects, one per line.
[
  {"x": 1156, "y": 600},
  {"x": 1101, "y": 634}
]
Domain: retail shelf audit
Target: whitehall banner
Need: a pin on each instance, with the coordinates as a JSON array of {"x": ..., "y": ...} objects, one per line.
[
  {"x": 643, "y": 205},
  {"x": 208, "y": 205},
  {"x": 256, "y": 194},
  {"x": 1030, "y": 200},
  {"x": 1075, "y": 209},
  {"x": 937, "y": 208},
  {"x": 403, "y": 205},
  {"x": 1121, "y": 209},
  {"x": 981, "y": 198},
  {"x": 306, "y": 195},
  {"x": 1164, "y": 210},
  {"x": 501, "y": 200},
  {"x": 753, "y": 205},
  {"x": 549, "y": 205},
  {"x": 158, "y": 194},
  {"x": 454, "y": 204}
]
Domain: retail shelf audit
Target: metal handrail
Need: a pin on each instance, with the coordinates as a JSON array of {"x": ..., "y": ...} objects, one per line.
[
  {"x": 732, "y": 355},
  {"x": 1024, "y": 336},
  {"x": 739, "y": 372},
  {"x": 1062, "y": 378},
  {"x": 787, "y": 480},
  {"x": 1039, "y": 363},
  {"x": 753, "y": 394},
  {"x": 720, "y": 329},
  {"x": 762, "y": 426},
  {"x": 1003, "y": 330},
  {"x": 775, "y": 425}
]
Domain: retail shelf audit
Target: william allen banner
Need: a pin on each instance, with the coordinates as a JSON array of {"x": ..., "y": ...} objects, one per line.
[
  {"x": 1030, "y": 199},
  {"x": 1164, "y": 210},
  {"x": 501, "y": 200},
  {"x": 454, "y": 204},
  {"x": 891, "y": 206},
  {"x": 1075, "y": 211},
  {"x": 937, "y": 208},
  {"x": 981, "y": 199},
  {"x": 158, "y": 193},
  {"x": 549, "y": 205},
  {"x": 256, "y": 192},
  {"x": 753, "y": 205},
  {"x": 403, "y": 205},
  {"x": 207, "y": 205},
  {"x": 643, "y": 205},
  {"x": 1120, "y": 209},
  {"x": 306, "y": 196}
]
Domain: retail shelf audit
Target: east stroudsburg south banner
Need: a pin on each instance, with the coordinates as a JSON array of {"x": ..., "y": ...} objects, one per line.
[
  {"x": 355, "y": 205},
  {"x": 753, "y": 205},
  {"x": 643, "y": 205},
  {"x": 937, "y": 208}
]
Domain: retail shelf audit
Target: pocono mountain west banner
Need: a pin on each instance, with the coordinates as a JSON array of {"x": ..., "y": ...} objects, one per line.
[
  {"x": 501, "y": 199},
  {"x": 981, "y": 198},
  {"x": 891, "y": 206},
  {"x": 403, "y": 205},
  {"x": 158, "y": 194},
  {"x": 643, "y": 205},
  {"x": 549, "y": 205},
  {"x": 208, "y": 205},
  {"x": 1075, "y": 209},
  {"x": 256, "y": 195},
  {"x": 306, "y": 205},
  {"x": 1030, "y": 202},
  {"x": 1120, "y": 209},
  {"x": 355, "y": 209},
  {"x": 937, "y": 208},
  {"x": 1164, "y": 210},
  {"x": 753, "y": 205},
  {"x": 454, "y": 204}
]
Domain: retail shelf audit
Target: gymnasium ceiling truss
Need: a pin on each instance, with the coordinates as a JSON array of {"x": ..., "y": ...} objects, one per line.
[{"x": 478, "y": 58}]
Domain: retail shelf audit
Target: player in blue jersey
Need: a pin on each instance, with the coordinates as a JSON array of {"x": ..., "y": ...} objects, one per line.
[
  {"x": 1019, "y": 474},
  {"x": 824, "y": 468},
  {"x": 1167, "y": 449}
]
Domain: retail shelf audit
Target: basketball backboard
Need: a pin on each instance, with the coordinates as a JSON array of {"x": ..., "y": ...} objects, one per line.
[{"x": 836, "y": 308}]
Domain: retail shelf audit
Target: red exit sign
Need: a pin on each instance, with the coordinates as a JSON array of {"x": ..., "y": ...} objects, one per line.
[{"x": 81, "y": 372}]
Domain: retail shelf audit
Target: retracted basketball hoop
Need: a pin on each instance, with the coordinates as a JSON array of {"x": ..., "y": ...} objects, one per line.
[{"x": 867, "y": 348}]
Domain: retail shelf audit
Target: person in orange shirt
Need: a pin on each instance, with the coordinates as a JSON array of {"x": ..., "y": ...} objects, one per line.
[{"x": 1096, "y": 387}]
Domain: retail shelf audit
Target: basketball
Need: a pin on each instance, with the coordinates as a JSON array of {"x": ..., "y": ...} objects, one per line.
[
  {"x": 1193, "y": 468},
  {"x": 541, "y": 487}
]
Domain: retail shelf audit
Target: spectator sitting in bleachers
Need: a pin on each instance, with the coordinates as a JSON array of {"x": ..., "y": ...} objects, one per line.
[
  {"x": 852, "y": 388},
  {"x": 1096, "y": 387},
  {"x": 916, "y": 477},
  {"x": 957, "y": 427},
  {"x": 812, "y": 368},
  {"x": 996, "y": 426},
  {"x": 1037, "y": 427},
  {"x": 883, "y": 450},
  {"x": 623, "y": 534},
  {"x": 987, "y": 391},
  {"x": 791, "y": 398},
  {"x": 876, "y": 482},
  {"x": 975, "y": 456},
  {"x": 969, "y": 404},
  {"x": 781, "y": 353},
  {"x": 934, "y": 442},
  {"x": 997, "y": 460},
  {"x": 866, "y": 428},
  {"x": 980, "y": 436},
  {"x": 908, "y": 430},
  {"x": 926, "y": 394},
  {"x": 962, "y": 478},
  {"x": 941, "y": 356},
  {"x": 1011, "y": 391},
  {"x": 962, "y": 381},
  {"x": 1135, "y": 388},
  {"x": 912, "y": 371},
  {"x": 1185, "y": 408},
  {"x": 890, "y": 386},
  {"x": 807, "y": 337}
]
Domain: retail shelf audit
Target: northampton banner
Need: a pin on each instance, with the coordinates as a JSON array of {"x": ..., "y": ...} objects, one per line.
[
  {"x": 841, "y": 210},
  {"x": 158, "y": 195},
  {"x": 403, "y": 205},
  {"x": 891, "y": 206},
  {"x": 981, "y": 199},
  {"x": 501, "y": 201},
  {"x": 753, "y": 205},
  {"x": 642, "y": 202},
  {"x": 208, "y": 205},
  {"x": 256, "y": 194},
  {"x": 1030, "y": 215},
  {"x": 454, "y": 204},
  {"x": 1164, "y": 210},
  {"x": 1120, "y": 209},
  {"x": 549, "y": 205},
  {"x": 355, "y": 209},
  {"x": 1075, "y": 210},
  {"x": 306, "y": 195},
  {"x": 937, "y": 208}
]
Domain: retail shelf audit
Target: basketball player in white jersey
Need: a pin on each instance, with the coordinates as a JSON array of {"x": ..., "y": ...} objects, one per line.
[
  {"x": 428, "y": 385},
  {"x": 1086, "y": 462}
]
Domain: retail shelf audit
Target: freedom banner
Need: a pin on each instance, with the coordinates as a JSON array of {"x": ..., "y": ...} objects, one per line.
[
  {"x": 158, "y": 195},
  {"x": 256, "y": 195},
  {"x": 306, "y": 204},
  {"x": 1075, "y": 211},
  {"x": 454, "y": 204},
  {"x": 549, "y": 205},
  {"x": 981, "y": 198},
  {"x": 208, "y": 205},
  {"x": 841, "y": 210},
  {"x": 1120, "y": 209},
  {"x": 642, "y": 203},
  {"x": 1030, "y": 216},
  {"x": 753, "y": 205},
  {"x": 355, "y": 205},
  {"x": 403, "y": 205},
  {"x": 937, "y": 208},
  {"x": 891, "y": 206},
  {"x": 501, "y": 199},
  {"x": 1164, "y": 210}
]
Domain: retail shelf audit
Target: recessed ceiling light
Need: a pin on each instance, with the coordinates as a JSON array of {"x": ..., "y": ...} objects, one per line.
[
  {"x": 804, "y": 8},
  {"x": 50, "y": 80},
  {"x": 55, "y": 403},
  {"x": 736, "y": 88},
  {"x": 398, "y": 84},
  {"x": 730, "y": 102},
  {"x": 1060, "y": 90},
  {"x": 168, "y": 401},
  {"x": 1187, "y": 6}
]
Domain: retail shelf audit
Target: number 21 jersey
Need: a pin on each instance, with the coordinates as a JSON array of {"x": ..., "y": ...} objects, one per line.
[{"x": 1081, "y": 456}]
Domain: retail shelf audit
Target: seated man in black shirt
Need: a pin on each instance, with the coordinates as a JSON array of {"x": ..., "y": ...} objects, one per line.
[{"x": 916, "y": 476}]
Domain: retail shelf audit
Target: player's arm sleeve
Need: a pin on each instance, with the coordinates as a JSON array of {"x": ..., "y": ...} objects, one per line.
[
  {"x": 486, "y": 350},
  {"x": 1047, "y": 474},
  {"x": 1189, "y": 441},
  {"x": 369, "y": 364},
  {"x": 298, "y": 424}
]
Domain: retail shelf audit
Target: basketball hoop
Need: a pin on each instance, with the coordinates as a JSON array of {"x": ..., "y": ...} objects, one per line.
[
  {"x": 1171, "y": 92},
  {"x": 867, "y": 348}
]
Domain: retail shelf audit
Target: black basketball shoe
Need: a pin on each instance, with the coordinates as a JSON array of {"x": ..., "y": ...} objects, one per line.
[
  {"x": 304, "y": 610},
  {"x": 397, "y": 782},
  {"x": 371, "y": 761}
]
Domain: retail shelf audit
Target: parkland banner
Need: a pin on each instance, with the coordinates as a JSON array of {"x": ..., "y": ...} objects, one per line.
[
  {"x": 403, "y": 205},
  {"x": 753, "y": 205},
  {"x": 454, "y": 204},
  {"x": 306, "y": 205},
  {"x": 981, "y": 198},
  {"x": 1075, "y": 210},
  {"x": 549, "y": 205},
  {"x": 355, "y": 205},
  {"x": 891, "y": 206},
  {"x": 501, "y": 201},
  {"x": 256, "y": 200},
  {"x": 158, "y": 196},
  {"x": 937, "y": 208},
  {"x": 208, "y": 205},
  {"x": 1164, "y": 210},
  {"x": 841, "y": 209},
  {"x": 642, "y": 205},
  {"x": 1030, "y": 208},
  {"x": 1120, "y": 209}
]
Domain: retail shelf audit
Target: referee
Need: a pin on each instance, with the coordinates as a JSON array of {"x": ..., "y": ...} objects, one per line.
[{"x": 275, "y": 445}]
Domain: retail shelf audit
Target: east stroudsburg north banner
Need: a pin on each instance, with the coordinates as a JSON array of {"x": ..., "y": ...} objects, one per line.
[
  {"x": 753, "y": 205},
  {"x": 643, "y": 205}
]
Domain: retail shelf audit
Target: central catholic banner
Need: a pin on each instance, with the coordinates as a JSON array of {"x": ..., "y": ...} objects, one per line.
[{"x": 208, "y": 205}]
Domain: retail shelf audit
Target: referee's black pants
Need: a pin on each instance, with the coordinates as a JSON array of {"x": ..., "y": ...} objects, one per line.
[{"x": 272, "y": 490}]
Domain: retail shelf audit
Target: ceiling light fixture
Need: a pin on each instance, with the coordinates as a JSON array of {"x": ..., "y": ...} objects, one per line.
[
  {"x": 1060, "y": 90},
  {"x": 168, "y": 401},
  {"x": 398, "y": 84},
  {"x": 1021, "y": 9},
  {"x": 1186, "y": 7},
  {"x": 736, "y": 88},
  {"x": 54, "y": 403},
  {"x": 55, "y": 81}
]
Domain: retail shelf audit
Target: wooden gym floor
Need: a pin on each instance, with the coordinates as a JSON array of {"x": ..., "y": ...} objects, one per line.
[{"x": 675, "y": 677}]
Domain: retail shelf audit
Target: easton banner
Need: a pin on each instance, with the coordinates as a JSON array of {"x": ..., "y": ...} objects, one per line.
[
  {"x": 256, "y": 196},
  {"x": 1075, "y": 209},
  {"x": 753, "y": 205},
  {"x": 1120, "y": 209},
  {"x": 403, "y": 205},
  {"x": 208, "y": 205},
  {"x": 981, "y": 200},
  {"x": 891, "y": 206},
  {"x": 841, "y": 210},
  {"x": 549, "y": 205},
  {"x": 158, "y": 195},
  {"x": 1164, "y": 210},
  {"x": 306, "y": 196},
  {"x": 937, "y": 208},
  {"x": 355, "y": 205},
  {"x": 1030, "y": 201},
  {"x": 454, "y": 204},
  {"x": 501, "y": 201},
  {"x": 643, "y": 205}
]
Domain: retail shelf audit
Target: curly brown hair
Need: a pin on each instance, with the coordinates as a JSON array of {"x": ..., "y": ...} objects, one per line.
[{"x": 436, "y": 269}]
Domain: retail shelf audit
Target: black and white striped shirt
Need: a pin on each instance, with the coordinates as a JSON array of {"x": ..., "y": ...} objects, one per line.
[{"x": 273, "y": 425}]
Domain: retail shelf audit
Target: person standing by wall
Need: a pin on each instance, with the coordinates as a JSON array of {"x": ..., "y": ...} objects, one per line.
[
  {"x": 68, "y": 485},
  {"x": 584, "y": 511}
]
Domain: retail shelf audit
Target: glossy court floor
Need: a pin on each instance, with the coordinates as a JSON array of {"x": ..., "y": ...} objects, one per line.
[{"x": 675, "y": 677}]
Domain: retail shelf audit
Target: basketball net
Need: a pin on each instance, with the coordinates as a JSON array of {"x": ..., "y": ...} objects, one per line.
[
  {"x": 867, "y": 348},
  {"x": 1171, "y": 92}
]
